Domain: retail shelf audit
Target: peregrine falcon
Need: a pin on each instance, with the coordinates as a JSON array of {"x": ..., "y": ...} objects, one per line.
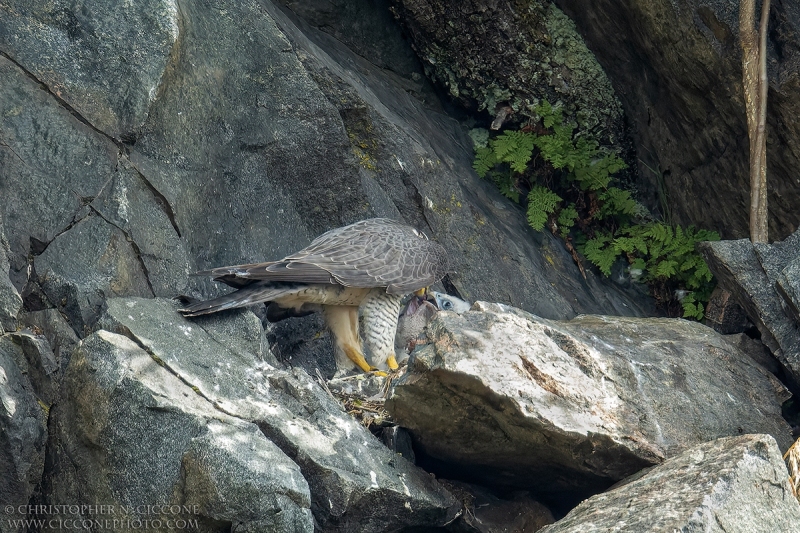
[{"x": 356, "y": 275}]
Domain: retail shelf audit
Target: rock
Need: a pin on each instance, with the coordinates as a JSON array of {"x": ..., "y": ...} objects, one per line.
[
  {"x": 760, "y": 354},
  {"x": 60, "y": 336},
  {"x": 491, "y": 55},
  {"x": 303, "y": 342},
  {"x": 83, "y": 266},
  {"x": 352, "y": 477},
  {"x": 23, "y": 433},
  {"x": 240, "y": 332},
  {"x": 508, "y": 399},
  {"x": 255, "y": 490},
  {"x": 738, "y": 268},
  {"x": 486, "y": 513},
  {"x": 10, "y": 300},
  {"x": 731, "y": 485},
  {"x": 398, "y": 440},
  {"x": 106, "y": 62},
  {"x": 677, "y": 69},
  {"x": 213, "y": 468},
  {"x": 48, "y": 150},
  {"x": 40, "y": 364},
  {"x": 788, "y": 286},
  {"x": 724, "y": 315},
  {"x": 131, "y": 204}
]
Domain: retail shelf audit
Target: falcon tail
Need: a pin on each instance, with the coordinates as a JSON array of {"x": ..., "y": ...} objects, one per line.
[{"x": 249, "y": 295}]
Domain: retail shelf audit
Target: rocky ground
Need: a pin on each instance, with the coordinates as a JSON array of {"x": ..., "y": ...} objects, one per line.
[{"x": 142, "y": 142}]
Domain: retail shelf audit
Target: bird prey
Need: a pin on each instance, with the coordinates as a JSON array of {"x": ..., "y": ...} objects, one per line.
[
  {"x": 416, "y": 316},
  {"x": 356, "y": 275}
]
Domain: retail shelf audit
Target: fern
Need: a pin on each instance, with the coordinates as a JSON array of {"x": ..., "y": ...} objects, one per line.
[
  {"x": 600, "y": 253},
  {"x": 692, "y": 308},
  {"x": 541, "y": 203},
  {"x": 616, "y": 202},
  {"x": 514, "y": 148},
  {"x": 566, "y": 219},
  {"x": 506, "y": 186},
  {"x": 550, "y": 115},
  {"x": 485, "y": 160},
  {"x": 661, "y": 255}
]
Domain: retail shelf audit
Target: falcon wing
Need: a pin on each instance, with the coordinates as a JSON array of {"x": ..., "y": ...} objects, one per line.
[{"x": 370, "y": 253}]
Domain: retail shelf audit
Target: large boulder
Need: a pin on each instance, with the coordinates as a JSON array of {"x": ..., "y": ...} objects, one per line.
[
  {"x": 135, "y": 436},
  {"x": 730, "y": 485},
  {"x": 566, "y": 408}
]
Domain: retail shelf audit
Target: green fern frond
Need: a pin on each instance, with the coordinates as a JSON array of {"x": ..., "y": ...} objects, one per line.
[
  {"x": 630, "y": 245},
  {"x": 484, "y": 161},
  {"x": 506, "y": 185},
  {"x": 692, "y": 308},
  {"x": 599, "y": 253},
  {"x": 666, "y": 268},
  {"x": 515, "y": 148},
  {"x": 541, "y": 203},
  {"x": 616, "y": 202},
  {"x": 550, "y": 116},
  {"x": 566, "y": 219}
]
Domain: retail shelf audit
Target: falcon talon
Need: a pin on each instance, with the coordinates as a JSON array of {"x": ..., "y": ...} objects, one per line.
[{"x": 356, "y": 275}]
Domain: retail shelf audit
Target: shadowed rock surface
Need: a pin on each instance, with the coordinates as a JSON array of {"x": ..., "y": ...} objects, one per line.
[
  {"x": 760, "y": 277},
  {"x": 23, "y": 429},
  {"x": 730, "y": 485},
  {"x": 677, "y": 69},
  {"x": 10, "y": 300}
]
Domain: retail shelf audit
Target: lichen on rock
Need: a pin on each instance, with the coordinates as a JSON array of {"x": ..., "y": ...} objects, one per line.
[{"x": 490, "y": 57}]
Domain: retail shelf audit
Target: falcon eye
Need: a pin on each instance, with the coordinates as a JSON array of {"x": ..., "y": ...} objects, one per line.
[{"x": 447, "y": 305}]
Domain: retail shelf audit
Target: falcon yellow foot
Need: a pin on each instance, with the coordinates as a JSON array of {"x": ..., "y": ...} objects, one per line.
[{"x": 355, "y": 355}]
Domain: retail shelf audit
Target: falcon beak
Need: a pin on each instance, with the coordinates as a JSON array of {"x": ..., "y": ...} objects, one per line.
[{"x": 422, "y": 293}]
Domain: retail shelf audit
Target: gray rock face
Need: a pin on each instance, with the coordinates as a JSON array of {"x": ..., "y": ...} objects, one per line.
[
  {"x": 60, "y": 336},
  {"x": 677, "y": 68},
  {"x": 512, "y": 400},
  {"x": 730, "y": 485},
  {"x": 753, "y": 274},
  {"x": 46, "y": 149},
  {"x": 788, "y": 285},
  {"x": 23, "y": 432},
  {"x": 87, "y": 264},
  {"x": 263, "y": 132},
  {"x": 131, "y": 204},
  {"x": 134, "y": 434},
  {"x": 10, "y": 300},
  {"x": 105, "y": 61},
  {"x": 355, "y": 482}
]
